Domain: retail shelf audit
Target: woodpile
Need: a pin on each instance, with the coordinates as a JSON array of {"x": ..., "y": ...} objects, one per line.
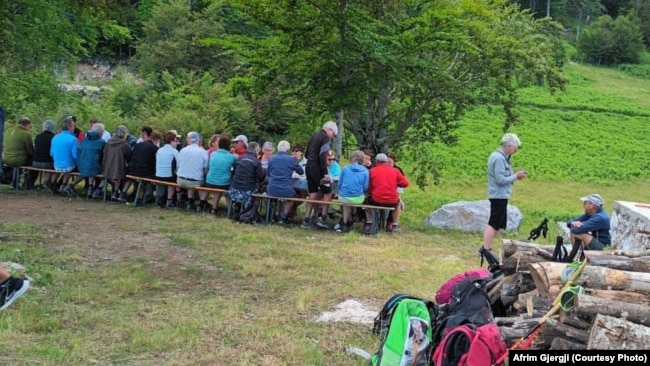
[{"x": 612, "y": 313}]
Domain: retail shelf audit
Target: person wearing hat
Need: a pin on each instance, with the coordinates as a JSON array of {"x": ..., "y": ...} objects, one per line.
[
  {"x": 241, "y": 145},
  {"x": 592, "y": 228},
  {"x": 318, "y": 179},
  {"x": 382, "y": 191}
]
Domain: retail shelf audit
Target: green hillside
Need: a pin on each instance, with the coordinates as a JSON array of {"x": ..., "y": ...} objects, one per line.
[{"x": 595, "y": 131}]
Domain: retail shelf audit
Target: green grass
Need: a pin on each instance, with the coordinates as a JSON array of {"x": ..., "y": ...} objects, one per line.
[{"x": 169, "y": 288}]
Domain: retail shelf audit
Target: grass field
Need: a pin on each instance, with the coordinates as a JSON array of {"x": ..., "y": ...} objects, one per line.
[{"x": 115, "y": 285}]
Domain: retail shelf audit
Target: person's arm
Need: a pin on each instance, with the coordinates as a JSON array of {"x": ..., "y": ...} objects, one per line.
[
  {"x": 591, "y": 224},
  {"x": 298, "y": 169},
  {"x": 402, "y": 181},
  {"x": 500, "y": 169}
]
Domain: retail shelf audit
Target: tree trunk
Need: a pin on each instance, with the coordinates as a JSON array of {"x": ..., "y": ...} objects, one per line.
[
  {"x": 547, "y": 275},
  {"x": 517, "y": 254},
  {"x": 625, "y": 296},
  {"x": 338, "y": 139},
  {"x": 562, "y": 344},
  {"x": 569, "y": 331},
  {"x": 641, "y": 264},
  {"x": 591, "y": 305},
  {"x": 615, "y": 334}
]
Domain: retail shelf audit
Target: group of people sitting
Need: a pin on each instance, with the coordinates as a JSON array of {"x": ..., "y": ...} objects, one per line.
[{"x": 238, "y": 167}]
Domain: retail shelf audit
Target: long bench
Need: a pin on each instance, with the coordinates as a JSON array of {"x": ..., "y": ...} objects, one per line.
[
  {"x": 16, "y": 175},
  {"x": 380, "y": 213}
]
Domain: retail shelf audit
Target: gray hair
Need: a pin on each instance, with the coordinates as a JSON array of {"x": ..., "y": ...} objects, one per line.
[
  {"x": 194, "y": 137},
  {"x": 357, "y": 157},
  {"x": 122, "y": 131},
  {"x": 510, "y": 139},
  {"x": 49, "y": 125},
  {"x": 253, "y": 147},
  {"x": 284, "y": 146},
  {"x": 66, "y": 124},
  {"x": 97, "y": 127},
  {"x": 267, "y": 146}
]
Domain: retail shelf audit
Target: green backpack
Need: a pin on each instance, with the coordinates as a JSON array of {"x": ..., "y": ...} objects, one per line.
[{"x": 408, "y": 339}]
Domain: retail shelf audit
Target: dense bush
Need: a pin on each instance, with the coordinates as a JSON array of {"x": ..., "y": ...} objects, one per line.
[{"x": 610, "y": 41}]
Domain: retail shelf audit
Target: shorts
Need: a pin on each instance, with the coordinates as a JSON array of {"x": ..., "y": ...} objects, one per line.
[
  {"x": 171, "y": 179},
  {"x": 382, "y": 204},
  {"x": 216, "y": 186},
  {"x": 353, "y": 200},
  {"x": 186, "y": 183},
  {"x": 314, "y": 176},
  {"x": 596, "y": 245},
  {"x": 65, "y": 170},
  {"x": 40, "y": 165},
  {"x": 498, "y": 213}
]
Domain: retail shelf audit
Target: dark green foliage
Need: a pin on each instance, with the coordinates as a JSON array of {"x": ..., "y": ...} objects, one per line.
[{"x": 610, "y": 41}]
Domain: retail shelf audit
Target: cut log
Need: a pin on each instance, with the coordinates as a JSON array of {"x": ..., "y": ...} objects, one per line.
[
  {"x": 569, "y": 331},
  {"x": 566, "y": 345},
  {"x": 516, "y": 256},
  {"x": 515, "y": 322},
  {"x": 495, "y": 292},
  {"x": 510, "y": 289},
  {"x": 591, "y": 305},
  {"x": 525, "y": 300},
  {"x": 625, "y": 296},
  {"x": 641, "y": 264},
  {"x": 572, "y": 320},
  {"x": 614, "y": 333},
  {"x": 547, "y": 274}
]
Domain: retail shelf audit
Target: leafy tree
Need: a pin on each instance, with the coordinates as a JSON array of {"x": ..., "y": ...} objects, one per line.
[
  {"x": 400, "y": 73},
  {"x": 608, "y": 41}
]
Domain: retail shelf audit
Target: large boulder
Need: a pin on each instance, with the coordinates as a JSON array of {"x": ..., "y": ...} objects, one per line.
[{"x": 469, "y": 216}]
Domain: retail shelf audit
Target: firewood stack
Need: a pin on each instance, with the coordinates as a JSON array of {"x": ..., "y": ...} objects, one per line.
[{"x": 613, "y": 312}]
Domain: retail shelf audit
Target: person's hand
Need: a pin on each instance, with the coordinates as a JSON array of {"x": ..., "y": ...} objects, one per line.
[
  {"x": 401, "y": 204},
  {"x": 327, "y": 178},
  {"x": 521, "y": 174},
  {"x": 576, "y": 223}
]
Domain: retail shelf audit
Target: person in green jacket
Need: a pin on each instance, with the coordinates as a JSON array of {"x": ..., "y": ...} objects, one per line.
[{"x": 19, "y": 149}]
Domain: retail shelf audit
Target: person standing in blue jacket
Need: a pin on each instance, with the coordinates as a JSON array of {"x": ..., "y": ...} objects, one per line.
[
  {"x": 501, "y": 177},
  {"x": 591, "y": 228}
]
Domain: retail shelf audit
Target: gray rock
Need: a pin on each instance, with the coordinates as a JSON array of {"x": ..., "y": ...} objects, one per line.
[{"x": 469, "y": 216}]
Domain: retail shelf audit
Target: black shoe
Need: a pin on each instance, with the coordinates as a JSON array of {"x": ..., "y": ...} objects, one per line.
[{"x": 12, "y": 289}]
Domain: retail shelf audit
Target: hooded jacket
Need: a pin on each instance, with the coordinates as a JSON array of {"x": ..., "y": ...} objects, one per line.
[
  {"x": 354, "y": 180},
  {"x": 91, "y": 152}
]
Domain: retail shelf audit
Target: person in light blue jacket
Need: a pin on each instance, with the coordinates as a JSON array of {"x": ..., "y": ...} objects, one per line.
[
  {"x": 279, "y": 173},
  {"x": 64, "y": 153},
  {"x": 353, "y": 185},
  {"x": 500, "y": 181}
]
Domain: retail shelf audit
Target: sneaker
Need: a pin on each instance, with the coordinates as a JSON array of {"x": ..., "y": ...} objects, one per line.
[
  {"x": 69, "y": 191},
  {"x": 307, "y": 224},
  {"x": 97, "y": 193},
  {"x": 394, "y": 229},
  {"x": 11, "y": 290},
  {"x": 170, "y": 204},
  {"x": 62, "y": 189},
  {"x": 122, "y": 198},
  {"x": 367, "y": 228},
  {"x": 323, "y": 222}
]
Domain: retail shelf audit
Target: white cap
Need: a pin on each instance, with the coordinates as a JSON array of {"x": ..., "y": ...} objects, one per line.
[{"x": 241, "y": 138}]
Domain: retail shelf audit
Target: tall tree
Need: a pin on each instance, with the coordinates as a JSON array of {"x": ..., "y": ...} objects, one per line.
[{"x": 401, "y": 69}]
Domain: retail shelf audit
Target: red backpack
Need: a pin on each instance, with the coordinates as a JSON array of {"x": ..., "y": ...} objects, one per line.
[
  {"x": 443, "y": 296},
  {"x": 469, "y": 345}
]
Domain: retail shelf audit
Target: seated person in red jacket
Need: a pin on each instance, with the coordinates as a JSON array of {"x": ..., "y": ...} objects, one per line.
[{"x": 384, "y": 181}]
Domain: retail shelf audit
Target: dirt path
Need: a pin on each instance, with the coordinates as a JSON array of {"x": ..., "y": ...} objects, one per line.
[{"x": 97, "y": 233}]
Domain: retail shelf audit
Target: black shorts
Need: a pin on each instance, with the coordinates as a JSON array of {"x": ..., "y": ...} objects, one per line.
[
  {"x": 370, "y": 202},
  {"x": 314, "y": 175},
  {"x": 498, "y": 213},
  {"x": 215, "y": 186}
]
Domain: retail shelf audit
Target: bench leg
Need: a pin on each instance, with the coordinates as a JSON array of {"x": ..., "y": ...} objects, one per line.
[{"x": 137, "y": 193}]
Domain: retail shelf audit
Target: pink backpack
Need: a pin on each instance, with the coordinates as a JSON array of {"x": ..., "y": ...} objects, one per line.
[
  {"x": 443, "y": 296},
  {"x": 468, "y": 345}
]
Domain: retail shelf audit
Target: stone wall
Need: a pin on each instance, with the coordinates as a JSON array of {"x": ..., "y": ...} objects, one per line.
[{"x": 630, "y": 226}]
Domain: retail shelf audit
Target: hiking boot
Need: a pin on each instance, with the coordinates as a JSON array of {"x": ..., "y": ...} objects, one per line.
[
  {"x": 97, "y": 193},
  {"x": 170, "y": 204},
  {"x": 323, "y": 222},
  {"x": 89, "y": 195},
  {"x": 367, "y": 228},
  {"x": 394, "y": 229},
  {"x": 69, "y": 191},
  {"x": 201, "y": 206},
  {"x": 122, "y": 198},
  {"x": 307, "y": 223},
  {"x": 62, "y": 189},
  {"x": 10, "y": 290}
]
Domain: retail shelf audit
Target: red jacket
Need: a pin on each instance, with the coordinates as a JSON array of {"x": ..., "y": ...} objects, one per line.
[{"x": 384, "y": 181}]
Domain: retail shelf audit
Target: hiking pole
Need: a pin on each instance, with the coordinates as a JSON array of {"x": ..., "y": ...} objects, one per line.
[
  {"x": 556, "y": 306},
  {"x": 542, "y": 229}
]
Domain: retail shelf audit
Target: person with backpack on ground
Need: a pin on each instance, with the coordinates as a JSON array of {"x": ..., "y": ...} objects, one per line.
[
  {"x": 501, "y": 177},
  {"x": 592, "y": 228}
]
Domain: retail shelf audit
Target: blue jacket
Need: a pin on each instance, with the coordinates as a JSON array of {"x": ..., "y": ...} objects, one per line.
[
  {"x": 220, "y": 167},
  {"x": 280, "y": 172},
  {"x": 354, "y": 180},
  {"x": 91, "y": 150},
  {"x": 64, "y": 150},
  {"x": 597, "y": 224},
  {"x": 500, "y": 175}
]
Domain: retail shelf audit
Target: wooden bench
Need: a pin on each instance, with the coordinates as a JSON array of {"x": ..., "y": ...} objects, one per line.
[
  {"x": 16, "y": 175},
  {"x": 380, "y": 213},
  {"x": 139, "y": 180}
]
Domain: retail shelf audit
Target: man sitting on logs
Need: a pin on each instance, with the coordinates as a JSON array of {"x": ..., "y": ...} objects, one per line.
[{"x": 592, "y": 228}]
